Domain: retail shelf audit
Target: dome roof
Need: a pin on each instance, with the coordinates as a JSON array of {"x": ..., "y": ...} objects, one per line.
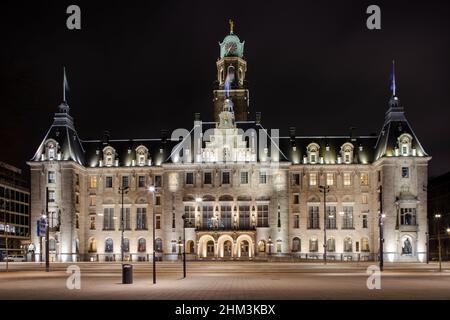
[{"x": 231, "y": 46}]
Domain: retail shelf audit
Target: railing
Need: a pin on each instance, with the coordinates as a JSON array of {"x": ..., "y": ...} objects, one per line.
[{"x": 225, "y": 228}]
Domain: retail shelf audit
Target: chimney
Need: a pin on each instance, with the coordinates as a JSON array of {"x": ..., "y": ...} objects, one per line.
[
  {"x": 197, "y": 116},
  {"x": 292, "y": 132},
  {"x": 164, "y": 135},
  {"x": 106, "y": 136}
]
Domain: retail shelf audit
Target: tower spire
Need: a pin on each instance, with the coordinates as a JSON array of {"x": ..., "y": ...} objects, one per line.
[
  {"x": 393, "y": 85},
  {"x": 231, "y": 22},
  {"x": 65, "y": 85}
]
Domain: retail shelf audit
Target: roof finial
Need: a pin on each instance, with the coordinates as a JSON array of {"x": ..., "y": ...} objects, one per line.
[
  {"x": 393, "y": 85},
  {"x": 231, "y": 22}
]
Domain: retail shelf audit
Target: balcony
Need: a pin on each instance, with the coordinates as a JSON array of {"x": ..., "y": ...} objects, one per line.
[{"x": 226, "y": 228}]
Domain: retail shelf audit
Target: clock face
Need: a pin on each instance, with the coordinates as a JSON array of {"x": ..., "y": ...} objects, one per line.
[{"x": 230, "y": 47}]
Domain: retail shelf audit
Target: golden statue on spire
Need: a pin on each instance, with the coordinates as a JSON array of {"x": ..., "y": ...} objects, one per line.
[{"x": 231, "y": 22}]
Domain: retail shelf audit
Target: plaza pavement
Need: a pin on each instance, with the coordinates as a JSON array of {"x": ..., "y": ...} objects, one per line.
[{"x": 227, "y": 280}]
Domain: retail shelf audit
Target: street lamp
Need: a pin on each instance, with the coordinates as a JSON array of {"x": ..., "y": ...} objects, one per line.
[
  {"x": 122, "y": 190},
  {"x": 152, "y": 189},
  {"x": 437, "y": 216},
  {"x": 270, "y": 244},
  {"x": 324, "y": 189}
]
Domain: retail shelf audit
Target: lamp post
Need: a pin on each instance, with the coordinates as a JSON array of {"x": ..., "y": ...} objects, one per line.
[
  {"x": 324, "y": 189},
  {"x": 381, "y": 217},
  {"x": 122, "y": 190},
  {"x": 437, "y": 216},
  {"x": 152, "y": 189},
  {"x": 427, "y": 247},
  {"x": 270, "y": 244}
]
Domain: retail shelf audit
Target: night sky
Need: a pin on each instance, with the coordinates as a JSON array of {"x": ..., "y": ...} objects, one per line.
[{"x": 138, "y": 67}]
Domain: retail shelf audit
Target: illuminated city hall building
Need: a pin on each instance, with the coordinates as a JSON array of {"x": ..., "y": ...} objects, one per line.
[{"x": 245, "y": 192}]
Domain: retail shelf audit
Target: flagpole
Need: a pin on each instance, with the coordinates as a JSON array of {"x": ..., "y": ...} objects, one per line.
[{"x": 64, "y": 85}]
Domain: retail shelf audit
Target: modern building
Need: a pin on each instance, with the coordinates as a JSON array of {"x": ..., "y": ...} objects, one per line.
[
  {"x": 245, "y": 191},
  {"x": 439, "y": 216},
  {"x": 14, "y": 212}
]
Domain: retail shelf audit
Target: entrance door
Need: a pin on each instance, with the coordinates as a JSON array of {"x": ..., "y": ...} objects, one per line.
[
  {"x": 244, "y": 248},
  {"x": 210, "y": 248},
  {"x": 227, "y": 249}
]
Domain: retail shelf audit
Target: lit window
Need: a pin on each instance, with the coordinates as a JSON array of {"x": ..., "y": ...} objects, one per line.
[
  {"x": 141, "y": 155},
  {"x": 313, "y": 152},
  {"x": 347, "y": 179},
  {"x": 313, "y": 179},
  {"x": 109, "y": 156},
  {"x": 364, "y": 179},
  {"x": 404, "y": 142},
  {"x": 330, "y": 179},
  {"x": 347, "y": 218},
  {"x": 313, "y": 245},
  {"x": 93, "y": 182},
  {"x": 347, "y": 153},
  {"x": 365, "y": 245}
]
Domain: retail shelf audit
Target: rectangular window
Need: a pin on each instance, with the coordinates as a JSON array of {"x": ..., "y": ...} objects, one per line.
[
  {"x": 225, "y": 217},
  {"x": 207, "y": 217},
  {"x": 141, "y": 219},
  {"x": 296, "y": 198},
  {"x": 51, "y": 177},
  {"x": 296, "y": 179},
  {"x": 189, "y": 213},
  {"x": 225, "y": 177},
  {"x": 408, "y": 216},
  {"x": 296, "y": 221},
  {"x": 189, "y": 178},
  {"x": 313, "y": 179},
  {"x": 365, "y": 221},
  {"x": 141, "y": 182},
  {"x": 124, "y": 181},
  {"x": 364, "y": 198},
  {"x": 330, "y": 179},
  {"x": 77, "y": 179},
  {"x": 92, "y": 200},
  {"x": 108, "y": 219},
  {"x": 92, "y": 223},
  {"x": 244, "y": 177},
  {"x": 263, "y": 216},
  {"x": 262, "y": 177},
  {"x": 313, "y": 217},
  {"x": 158, "y": 200},
  {"x": 207, "y": 178},
  {"x": 405, "y": 172},
  {"x": 244, "y": 217},
  {"x": 313, "y": 245},
  {"x": 77, "y": 198},
  {"x": 347, "y": 179},
  {"x": 158, "y": 222},
  {"x": 158, "y": 181},
  {"x": 51, "y": 196},
  {"x": 125, "y": 221},
  {"x": 331, "y": 217},
  {"x": 108, "y": 182},
  {"x": 347, "y": 218},
  {"x": 364, "y": 179},
  {"x": 93, "y": 182}
]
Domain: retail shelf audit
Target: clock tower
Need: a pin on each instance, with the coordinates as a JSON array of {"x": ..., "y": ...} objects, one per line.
[{"x": 230, "y": 82}]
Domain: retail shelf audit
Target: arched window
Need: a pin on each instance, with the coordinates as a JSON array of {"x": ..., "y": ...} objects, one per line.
[
  {"x": 296, "y": 245},
  {"x": 262, "y": 246},
  {"x": 142, "y": 245},
  {"x": 331, "y": 245},
  {"x": 93, "y": 245},
  {"x": 313, "y": 245},
  {"x": 348, "y": 245},
  {"x": 313, "y": 152},
  {"x": 126, "y": 245},
  {"x": 141, "y": 155},
  {"x": 190, "y": 246},
  {"x": 365, "y": 245},
  {"x": 404, "y": 143},
  {"x": 109, "y": 245},
  {"x": 50, "y": 149},
  {"x": 347, "y": 153},
  {"x": 109, "y": 155},
  {"x": 158, "y": 245}
]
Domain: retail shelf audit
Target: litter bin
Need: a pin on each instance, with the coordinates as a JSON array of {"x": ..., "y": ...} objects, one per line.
[{"x": 127, "y": 274}]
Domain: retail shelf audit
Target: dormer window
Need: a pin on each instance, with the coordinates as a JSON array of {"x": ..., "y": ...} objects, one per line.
[
  {"x": 313, "y": 152},
  {"x": 109, "y": 155},
  {"x": 404, "y": 143},
  {"x": 347, "y": 153},
  {"x": 141, "y": 155},
  {"x": 50, "y": 149}
]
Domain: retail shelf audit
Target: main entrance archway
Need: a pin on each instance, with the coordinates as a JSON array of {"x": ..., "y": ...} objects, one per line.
[{"x": 245, "y": 247}]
